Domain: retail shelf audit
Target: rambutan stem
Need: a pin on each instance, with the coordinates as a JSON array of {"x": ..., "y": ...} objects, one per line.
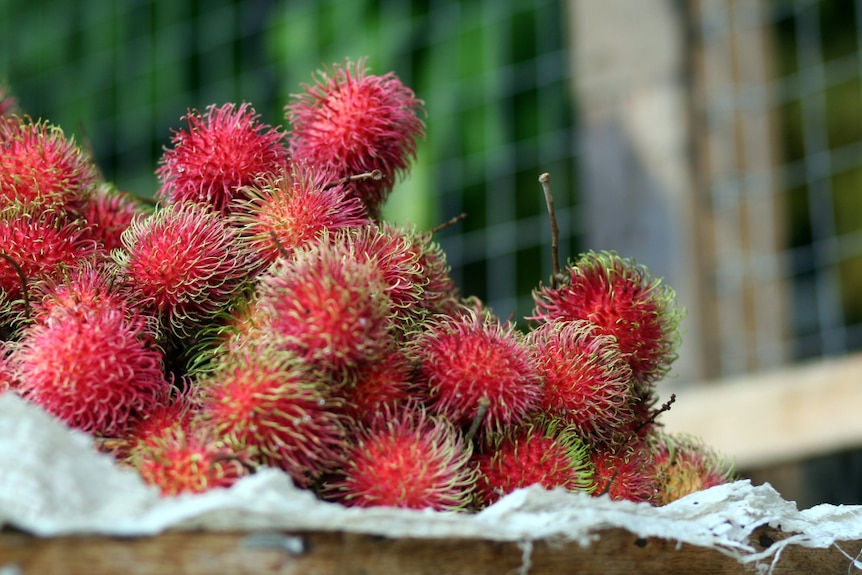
[
  {"x": 664, "y": 407},
  {"x": 484, "y": 405},
  {"x": 545, "y": 180},
  {"x": 372, "y": 175},
  {"x": 25, "y": 293},
  {"x": 449, "y": 222},
  {"x": 281, "y": 251}
]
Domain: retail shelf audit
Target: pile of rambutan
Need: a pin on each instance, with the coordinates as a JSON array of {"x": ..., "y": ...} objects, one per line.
[{"x": 261, "y": 313}]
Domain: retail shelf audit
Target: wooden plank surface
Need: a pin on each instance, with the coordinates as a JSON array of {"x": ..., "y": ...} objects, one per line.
[
  {"x": 785, "y": 415},
  {"x": 199, "y": 553}
]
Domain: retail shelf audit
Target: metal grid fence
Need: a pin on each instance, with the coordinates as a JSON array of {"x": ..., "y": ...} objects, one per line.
[
  {"x": 793, "y": 218},
  {"x": 493, "y": 76}
]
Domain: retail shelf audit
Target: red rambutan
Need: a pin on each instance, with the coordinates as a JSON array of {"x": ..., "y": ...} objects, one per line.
[
  {"x": 377, "y": 386},
  {"x": 290, "y": 209},
  {"x": 587, "y": 379},
  {"x": 413, "y": 267},
  {"x": 327, "y": 306},
  {"x": 108, "y": 212},
  {"x": 465, "y": 360},
  {"x": 352, "y": 123},
  {"x": 547, "y": 452},
  {"x": 626, "y": 301},
  {"x": 185, "y": 458},
  {"x": 42, "y": 248},
  {"x": 41, "y": 170},
  {"x": 406, "y": 459},
  {"x": 94, "y": 368},
  {"x": 268, "y": 400},
  {"x": 624, "y": 472},
  {"x": 222, "y": 151},
  {"x": 8, "y": 106},
  {"x": 183, "y": 264},
  {"x": 685, "y": 464}
]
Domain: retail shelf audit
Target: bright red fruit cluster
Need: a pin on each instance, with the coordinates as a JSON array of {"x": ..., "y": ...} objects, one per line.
[{"x": 263, "y": 314}]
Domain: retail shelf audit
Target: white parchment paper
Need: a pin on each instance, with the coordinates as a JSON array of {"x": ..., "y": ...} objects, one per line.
[{"x": 54, "y": 482}]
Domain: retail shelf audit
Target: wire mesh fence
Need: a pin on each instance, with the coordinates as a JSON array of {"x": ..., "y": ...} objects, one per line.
[
  {"x": 783, "y": 184},
  {"x": 493, "y": 75}
]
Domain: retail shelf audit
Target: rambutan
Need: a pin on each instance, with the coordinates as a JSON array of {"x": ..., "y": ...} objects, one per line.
[
  {"x": 183, "y": 264},
  {"x": 86, "y": 284},
  {"x": 222, "y": 151},
  {"x": 42, "y": 248},
  {"x": 624, "y": 472},
  {"x": 352, "y": 122},
  {"x": 7, "y": 376},
  {"x": 413, "y": 267},
  {"x": 377, "y": 386},
  {"x": 268, "y": 400},
  {"x": 327, "y": 306},
  {"x": 288, "y": 209},
  {"x": 626, "y": 301},
  {"x": 405, "y": 459},
  {"x": 8, "y": 106},
  {"x": 185, "y": 458},
  {"x": 95, "y": 368},
  {"x": 108, "y": 212},
  {"x": 546, "y": 452},
  {"x": 42, "y": 170},
  {"x": 471, "y": 358},
  {"x": 684, "y": 465},
  {"x": 587, "y": 380}
]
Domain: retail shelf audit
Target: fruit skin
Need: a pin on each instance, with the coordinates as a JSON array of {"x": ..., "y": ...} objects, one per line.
[
  {"x": 587, "y": 381},
  {"x": 268, "y": 400},
  {"x": 412, "y": 265},
  {"x": 624, "y": 472},
  {"x": 292, "y": 208},
  {"x": 183, "y": 264},
  {"x": 405, "y": 459},
  {"x": 685, "y": 465},
  {"x": 352, "y": 122},
  {"x": 627, "y": 301},
  {"x": 95, "y": 368},
  {"x": 221, "y": 151},
  {"x": 547, "y": 452},
  {"x": 463, "y": 359},
  {"x": 376, "y": 386},
  {"x": 108, "y": 212},
  {"x": 43, "y": 247},
  {"x": 187, "y": 458},
  {"x": 42, "y": 170},
  {"x": 327, "y": 306}
]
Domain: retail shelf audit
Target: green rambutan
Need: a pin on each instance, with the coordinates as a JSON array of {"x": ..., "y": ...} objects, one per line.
[
  {"x": 465, "y": 360},
  {"x": 587, "y": 380},
  {"x": 547, "y": 452},
  {"x": 327, "y": 306},
  {"x": 268, "y": 400},
  {"x": 221, "y": 152},
  {"x": 405, "y": 459},
  {"x": 352, "y": 122},
  {"x": 626, "y": 301},
  {"x": 183, "y": 264}
]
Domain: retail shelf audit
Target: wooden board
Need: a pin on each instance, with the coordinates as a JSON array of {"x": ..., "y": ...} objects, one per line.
[
  {"x": 317, "y": 553},
  {"x": 770, "y": 418}
]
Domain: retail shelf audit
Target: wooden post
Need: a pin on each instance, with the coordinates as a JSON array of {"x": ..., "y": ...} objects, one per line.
[{"x": 636, "y": 183}]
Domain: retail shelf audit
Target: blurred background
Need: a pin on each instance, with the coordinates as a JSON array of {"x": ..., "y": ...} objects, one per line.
[{"x": 719, "y": 142}]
